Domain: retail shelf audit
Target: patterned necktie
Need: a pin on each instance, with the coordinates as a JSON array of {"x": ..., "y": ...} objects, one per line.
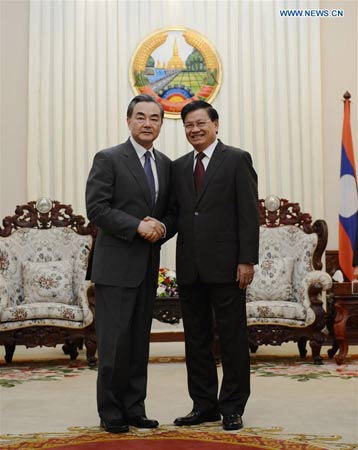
[
  {"x": 199, "y": 171},
  {"x": 149, "y": 174}
]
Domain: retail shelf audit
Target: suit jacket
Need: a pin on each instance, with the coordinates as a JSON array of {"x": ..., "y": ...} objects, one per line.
[
  {"x": 117, "y": 199},
  {"x": 218, "y": 228}
]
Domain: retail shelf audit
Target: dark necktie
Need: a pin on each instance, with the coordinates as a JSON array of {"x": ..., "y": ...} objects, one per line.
[
  {"x": 149, "y": 174},
  {"x": 199, "y": 171}
]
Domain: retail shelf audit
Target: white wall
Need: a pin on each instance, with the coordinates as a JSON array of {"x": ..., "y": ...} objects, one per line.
[{"x": 339, "y": 38}]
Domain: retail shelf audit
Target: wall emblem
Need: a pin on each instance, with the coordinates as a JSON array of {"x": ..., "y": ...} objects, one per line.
[{"x": 176, "y": 66}]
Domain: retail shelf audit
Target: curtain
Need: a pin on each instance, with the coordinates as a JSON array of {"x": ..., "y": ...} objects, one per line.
[{"x": 269, "y": 102}]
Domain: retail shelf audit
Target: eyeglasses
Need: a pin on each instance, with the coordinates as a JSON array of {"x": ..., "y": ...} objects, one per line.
[{"x": 190, "y": 125}]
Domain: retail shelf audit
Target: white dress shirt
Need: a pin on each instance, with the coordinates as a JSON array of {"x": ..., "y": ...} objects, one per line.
[{"x": 208, "y": 152}]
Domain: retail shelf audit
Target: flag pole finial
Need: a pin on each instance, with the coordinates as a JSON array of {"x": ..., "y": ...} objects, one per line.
[{"x": 347, "y": 95}]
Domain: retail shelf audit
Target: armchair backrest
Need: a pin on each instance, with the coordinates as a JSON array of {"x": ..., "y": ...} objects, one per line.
[
  {"x": 31, "y": 235},
  {"x": 290, "y": 241},
  {"x": 38, "y": 245},
  {"x": 287, "y": 232}
]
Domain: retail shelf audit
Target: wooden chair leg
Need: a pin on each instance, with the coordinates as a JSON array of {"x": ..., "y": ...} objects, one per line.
[
  {"x": 333, "y": 350},
  {"x": 302, "y": 347},
  {"x": 9, "y": 352},
  {"x": 252, "y": 345},
  {"x": 70, "y": 348},
  {"x": 316, "y": 345},
  {"x": 91, "y": 348}
]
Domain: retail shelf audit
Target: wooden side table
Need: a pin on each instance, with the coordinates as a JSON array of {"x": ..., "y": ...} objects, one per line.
[
  {"x": 167, "y": 310},
  {"x": 345, "y": 320}
]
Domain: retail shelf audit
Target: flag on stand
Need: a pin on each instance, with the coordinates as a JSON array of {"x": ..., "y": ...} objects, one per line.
[{"x": 348, "y": 209}]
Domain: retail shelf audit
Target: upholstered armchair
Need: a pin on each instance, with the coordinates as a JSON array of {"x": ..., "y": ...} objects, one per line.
[
  {"x": 44, "y": 297},
  {"x": 284, "y": 302}
]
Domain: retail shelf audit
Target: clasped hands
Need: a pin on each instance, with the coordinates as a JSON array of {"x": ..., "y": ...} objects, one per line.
[{"x": 151, "y": 229}]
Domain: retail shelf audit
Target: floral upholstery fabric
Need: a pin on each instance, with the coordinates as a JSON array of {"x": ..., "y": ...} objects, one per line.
[
  {"x": 42, "y": 311},
  {"x": 293, "y": 243},
  {"x": 39, "y": 246},
  {"x": 276, "y": 309},
  {"x": 272, "y": 280},
  {"x": 48, "y": 281}
]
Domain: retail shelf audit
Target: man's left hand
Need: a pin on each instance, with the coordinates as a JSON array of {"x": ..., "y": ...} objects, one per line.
[{"x": 244, "y": 275}]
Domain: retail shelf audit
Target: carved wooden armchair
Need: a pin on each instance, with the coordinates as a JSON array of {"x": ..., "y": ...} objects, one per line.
[
  {"x": 44, "y": 298},
  {"x": 284, "y": 301}
]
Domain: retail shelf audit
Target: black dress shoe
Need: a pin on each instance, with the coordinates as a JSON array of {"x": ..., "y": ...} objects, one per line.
[
  {"x": 232, "y": 422},
  {"x": 197, "y": 417},
  {"x": 114, "y": 426},
  {"x": 142, "y": 422}
]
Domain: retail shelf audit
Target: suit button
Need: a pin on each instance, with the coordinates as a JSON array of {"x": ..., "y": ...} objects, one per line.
[{"x": 196, "y": 213}]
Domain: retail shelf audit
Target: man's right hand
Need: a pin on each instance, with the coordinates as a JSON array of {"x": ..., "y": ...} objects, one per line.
[{"x": 151, "y": 230}]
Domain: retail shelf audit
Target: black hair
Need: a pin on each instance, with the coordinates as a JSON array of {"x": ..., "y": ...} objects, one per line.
[
  {"x": 143, "y": 98},
  {"x": 199, "y": 104}
]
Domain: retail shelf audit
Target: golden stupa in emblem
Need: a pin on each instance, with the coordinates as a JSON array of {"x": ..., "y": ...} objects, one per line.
[{"x": 175, "y": 62}]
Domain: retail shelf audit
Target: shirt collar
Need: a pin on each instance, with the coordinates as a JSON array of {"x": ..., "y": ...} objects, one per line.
[
  {"x": 208, "y": 151},
  {"x": 140, "y": 150}
]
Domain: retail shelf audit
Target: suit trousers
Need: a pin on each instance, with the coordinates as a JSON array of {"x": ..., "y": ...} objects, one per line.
[
  {"x": 200, "y": 302},
  {"x": 123, "y": 322}
]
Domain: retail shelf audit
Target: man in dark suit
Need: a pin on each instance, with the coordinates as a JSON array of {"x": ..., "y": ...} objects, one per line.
[
  {"x": 214, "y": 208},
  {"x": 127, "y": 183}
]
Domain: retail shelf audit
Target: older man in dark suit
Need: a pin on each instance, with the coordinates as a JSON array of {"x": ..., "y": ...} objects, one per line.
[
  {"x": 127, "y": 183},
  {"x": 214, "y": 208}
]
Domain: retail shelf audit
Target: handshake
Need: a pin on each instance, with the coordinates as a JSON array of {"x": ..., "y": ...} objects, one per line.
[{"x": 151, "y": 229}]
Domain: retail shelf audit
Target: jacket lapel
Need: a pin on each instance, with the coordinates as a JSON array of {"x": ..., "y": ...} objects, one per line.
[
  {"x": 134, "y": 165},
  {"x": 161, "y": 177},
  {"x": 188, "y": 170},
  {"x": 216, "y": 160}
]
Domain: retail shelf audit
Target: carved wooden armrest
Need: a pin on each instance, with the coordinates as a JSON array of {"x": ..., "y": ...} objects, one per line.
[
  {"x": 316, "y": 282},
  {"x": 319, "y": 277}
]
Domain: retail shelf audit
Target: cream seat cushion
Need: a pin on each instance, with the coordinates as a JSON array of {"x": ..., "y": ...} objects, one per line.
[{"x": 40, "y": 312}]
